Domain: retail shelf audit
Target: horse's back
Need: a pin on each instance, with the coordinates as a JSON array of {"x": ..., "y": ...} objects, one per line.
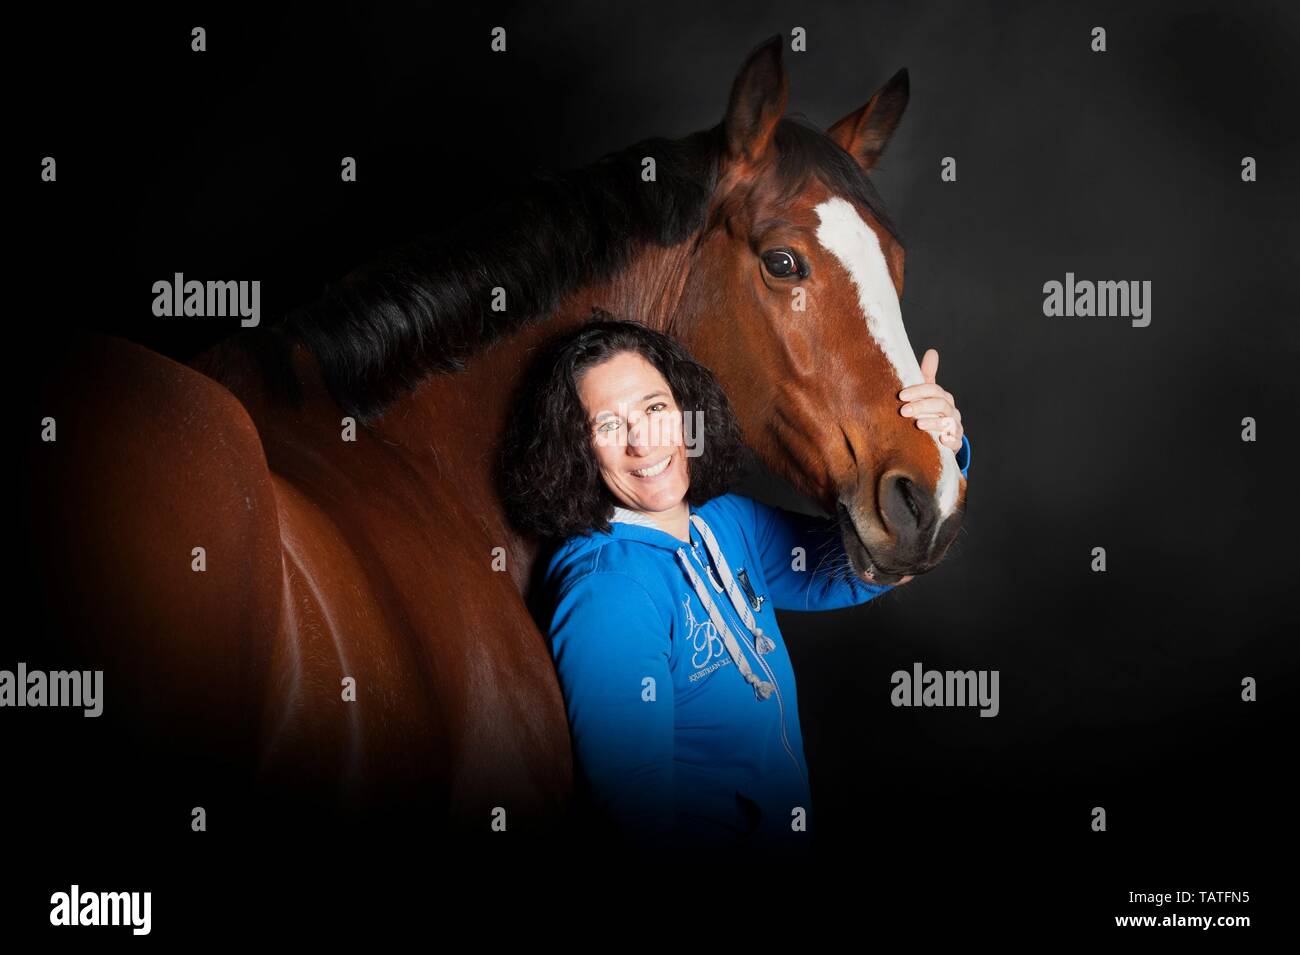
[{"x": 155, "y": 528}]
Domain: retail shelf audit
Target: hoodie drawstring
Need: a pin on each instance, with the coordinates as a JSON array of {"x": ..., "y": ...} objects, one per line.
[
  {"x": 762, "y": 688},
  {"x": 764, "y": 643}
]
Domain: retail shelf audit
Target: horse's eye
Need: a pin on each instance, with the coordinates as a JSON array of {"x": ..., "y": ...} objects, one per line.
[{"x": 781, "y": 263}]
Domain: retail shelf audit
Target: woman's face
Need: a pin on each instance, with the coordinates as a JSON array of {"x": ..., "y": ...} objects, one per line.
[{"x": 636, "y": 427}]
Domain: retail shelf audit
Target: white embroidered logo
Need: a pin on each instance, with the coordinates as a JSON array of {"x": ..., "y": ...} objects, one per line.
[{"x": 704, "y": 638}]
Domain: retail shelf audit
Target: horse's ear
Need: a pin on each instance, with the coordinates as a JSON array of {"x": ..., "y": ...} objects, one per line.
[
  {"x": 757, "y": 103},
  {"x": 864, "y": 132}
]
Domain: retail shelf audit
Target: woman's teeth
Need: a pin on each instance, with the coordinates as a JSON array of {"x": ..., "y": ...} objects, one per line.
[{"x": 655, "y": 469}]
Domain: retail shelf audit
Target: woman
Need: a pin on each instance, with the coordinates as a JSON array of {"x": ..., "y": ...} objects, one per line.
[{"x": 678, "y": 687}]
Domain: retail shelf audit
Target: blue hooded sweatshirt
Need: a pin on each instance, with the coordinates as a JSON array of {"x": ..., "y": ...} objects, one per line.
[{"x": 679, "y": 690}]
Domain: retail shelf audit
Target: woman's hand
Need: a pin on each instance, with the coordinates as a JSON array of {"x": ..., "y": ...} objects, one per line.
[{"x": 932, "y": 406}]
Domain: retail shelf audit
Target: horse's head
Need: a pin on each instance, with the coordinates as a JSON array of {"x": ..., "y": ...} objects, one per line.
[{"x": 792, "y": 298}]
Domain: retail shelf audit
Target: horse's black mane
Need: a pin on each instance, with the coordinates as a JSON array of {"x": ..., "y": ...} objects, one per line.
[{"x": 425, "y": 308}]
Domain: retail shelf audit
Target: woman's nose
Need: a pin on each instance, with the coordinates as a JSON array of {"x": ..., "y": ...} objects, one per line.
[{"x": 637, "y": 431}]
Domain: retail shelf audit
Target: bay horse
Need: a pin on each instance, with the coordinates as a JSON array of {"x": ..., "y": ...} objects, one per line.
[{"x": 386, "y": 562}]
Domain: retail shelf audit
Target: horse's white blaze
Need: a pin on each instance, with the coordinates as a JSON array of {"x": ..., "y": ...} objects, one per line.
[{"x": 845, "y": 235}]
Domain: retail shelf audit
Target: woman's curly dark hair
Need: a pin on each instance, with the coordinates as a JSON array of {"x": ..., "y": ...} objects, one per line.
[{"x": 549, "y": 477}]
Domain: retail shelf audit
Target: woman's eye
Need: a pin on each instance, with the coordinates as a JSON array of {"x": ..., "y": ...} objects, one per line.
[
  {"x": 659, "y": 404},
  {"x": 606, "y": 427},
  {"x": 781, "y": 263}
]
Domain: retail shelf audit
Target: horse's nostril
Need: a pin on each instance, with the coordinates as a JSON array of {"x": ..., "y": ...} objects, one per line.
[
  {"x": 905, "y": 488},
  {"x": 904, "y": 505}
]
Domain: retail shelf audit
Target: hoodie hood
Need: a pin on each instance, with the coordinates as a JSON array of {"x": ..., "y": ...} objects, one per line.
[{"x": 625, "y": 525}]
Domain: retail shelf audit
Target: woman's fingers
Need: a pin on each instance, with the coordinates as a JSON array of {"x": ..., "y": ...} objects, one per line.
[
  {"x": 914, "y": 394},
  {"x": 928, "y": 406},
  {"x": 929, "y": 389},
  {"x": 938, "y": 423},
  {"x": 934, "y": 409},
  {"x": 930, "y": 364},
  {"x": 950, "y": 430}
]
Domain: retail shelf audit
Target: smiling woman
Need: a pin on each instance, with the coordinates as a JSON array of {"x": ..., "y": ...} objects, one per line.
[
  {"x": 662, "y": 593},
  {"x": 639, "y": 447}
]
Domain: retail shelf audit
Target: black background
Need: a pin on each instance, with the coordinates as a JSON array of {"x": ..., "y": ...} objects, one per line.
[{"x": 1119, "y": 689}]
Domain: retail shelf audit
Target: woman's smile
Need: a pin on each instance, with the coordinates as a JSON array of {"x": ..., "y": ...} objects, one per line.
[{"x": 654, "y": 470}]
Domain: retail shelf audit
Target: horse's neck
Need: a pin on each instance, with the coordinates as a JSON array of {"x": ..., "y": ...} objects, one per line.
[{"x": 469, "y": 410}]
